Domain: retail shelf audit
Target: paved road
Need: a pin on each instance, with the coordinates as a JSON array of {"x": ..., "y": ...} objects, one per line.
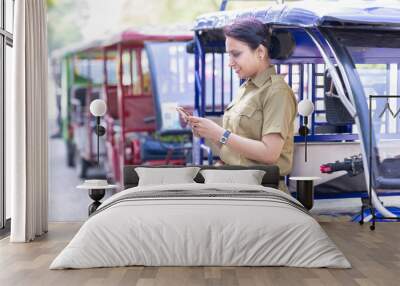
[{"x": 66, "y": 202}]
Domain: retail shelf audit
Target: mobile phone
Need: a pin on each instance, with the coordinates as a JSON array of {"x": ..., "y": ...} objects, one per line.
[{"x": 184, "y": 113}]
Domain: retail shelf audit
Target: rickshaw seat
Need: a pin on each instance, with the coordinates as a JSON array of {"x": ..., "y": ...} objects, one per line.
[
  {"x": 330, "y": 129},
  {"x": 137, "y": 109},
  {"x": 282, "y": 44},
  {"x": 336, "y": 112},
  {"x": 175, "y": 132},
  {"x": 388, "y": 178},
  {"x": 80, "y": 95},
  {"x": 152, "y": 149}
]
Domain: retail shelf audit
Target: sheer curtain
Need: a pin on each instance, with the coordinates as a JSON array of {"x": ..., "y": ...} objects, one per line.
[{"x": 27, "y": 123}]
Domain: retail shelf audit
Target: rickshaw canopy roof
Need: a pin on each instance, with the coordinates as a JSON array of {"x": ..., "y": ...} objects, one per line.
[
  {"x": 311, "y": 14},
  {"x": 139, "y": 37},
  {"x": 89, "y": 48},
  {"x": 94, "y": 48}
]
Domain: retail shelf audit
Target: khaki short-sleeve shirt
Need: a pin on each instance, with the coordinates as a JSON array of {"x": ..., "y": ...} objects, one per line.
[{"x": 263, "y": 105}]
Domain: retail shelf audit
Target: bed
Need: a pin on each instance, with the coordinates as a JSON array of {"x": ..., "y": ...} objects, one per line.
[{"x": 201, "y": 224}]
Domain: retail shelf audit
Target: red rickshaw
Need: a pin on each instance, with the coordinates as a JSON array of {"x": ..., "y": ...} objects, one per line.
[
  {"x": 118, "y": 71},
  {"x": 131, "y": 119}
]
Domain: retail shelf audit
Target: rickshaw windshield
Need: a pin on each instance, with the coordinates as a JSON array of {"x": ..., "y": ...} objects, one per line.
[
  {"x": 172, "y": 80},
  {"x": 375, "y": 58},
  {"x": 86, "y": 69},
  {"x": 173, "y": 72}
]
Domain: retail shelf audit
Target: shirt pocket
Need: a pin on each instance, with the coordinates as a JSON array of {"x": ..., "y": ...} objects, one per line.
[
  {"x": 227, "y": 114},
  {"x": 249, "y": 123},
  {"x": 230, "y": 105},
  {"x": 226, "y": 121}
]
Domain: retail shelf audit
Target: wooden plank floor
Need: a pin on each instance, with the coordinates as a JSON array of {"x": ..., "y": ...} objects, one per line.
[{"x": 375, "y": 257}]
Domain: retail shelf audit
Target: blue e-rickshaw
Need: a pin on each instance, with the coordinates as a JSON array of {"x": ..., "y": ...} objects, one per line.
[{"x": 343, "y": 56}]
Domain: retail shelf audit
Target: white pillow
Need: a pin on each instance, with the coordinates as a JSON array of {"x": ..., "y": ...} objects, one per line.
[
  {"x": 163, "y": 176},
  {"x": 249, "y": 177}
]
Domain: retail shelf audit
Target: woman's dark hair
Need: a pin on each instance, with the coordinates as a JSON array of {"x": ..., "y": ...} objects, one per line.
[{"x": 251, "y": 31}]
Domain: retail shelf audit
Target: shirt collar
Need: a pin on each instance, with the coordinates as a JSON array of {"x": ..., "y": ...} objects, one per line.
[{"x": 262, "y": 77}]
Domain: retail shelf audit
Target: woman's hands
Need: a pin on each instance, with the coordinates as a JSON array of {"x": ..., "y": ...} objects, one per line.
[
  {"x": 204, "y": 127},
  {"x": 266, "y": 150}
]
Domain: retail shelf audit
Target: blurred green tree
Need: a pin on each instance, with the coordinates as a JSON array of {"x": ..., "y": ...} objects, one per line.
[
  {"x": 51, "y": 3},
  {"x": 71, "y": 20}
]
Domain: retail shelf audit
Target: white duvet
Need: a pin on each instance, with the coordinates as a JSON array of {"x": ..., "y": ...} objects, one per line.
[{"x": 183, "y": 231}]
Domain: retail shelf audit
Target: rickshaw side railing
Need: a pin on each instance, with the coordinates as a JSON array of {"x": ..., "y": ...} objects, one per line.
[{"x": 199, "y": 106}]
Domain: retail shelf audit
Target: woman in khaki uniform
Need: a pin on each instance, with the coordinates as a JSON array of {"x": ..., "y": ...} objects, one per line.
[{"x": 258, "y": 125}]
